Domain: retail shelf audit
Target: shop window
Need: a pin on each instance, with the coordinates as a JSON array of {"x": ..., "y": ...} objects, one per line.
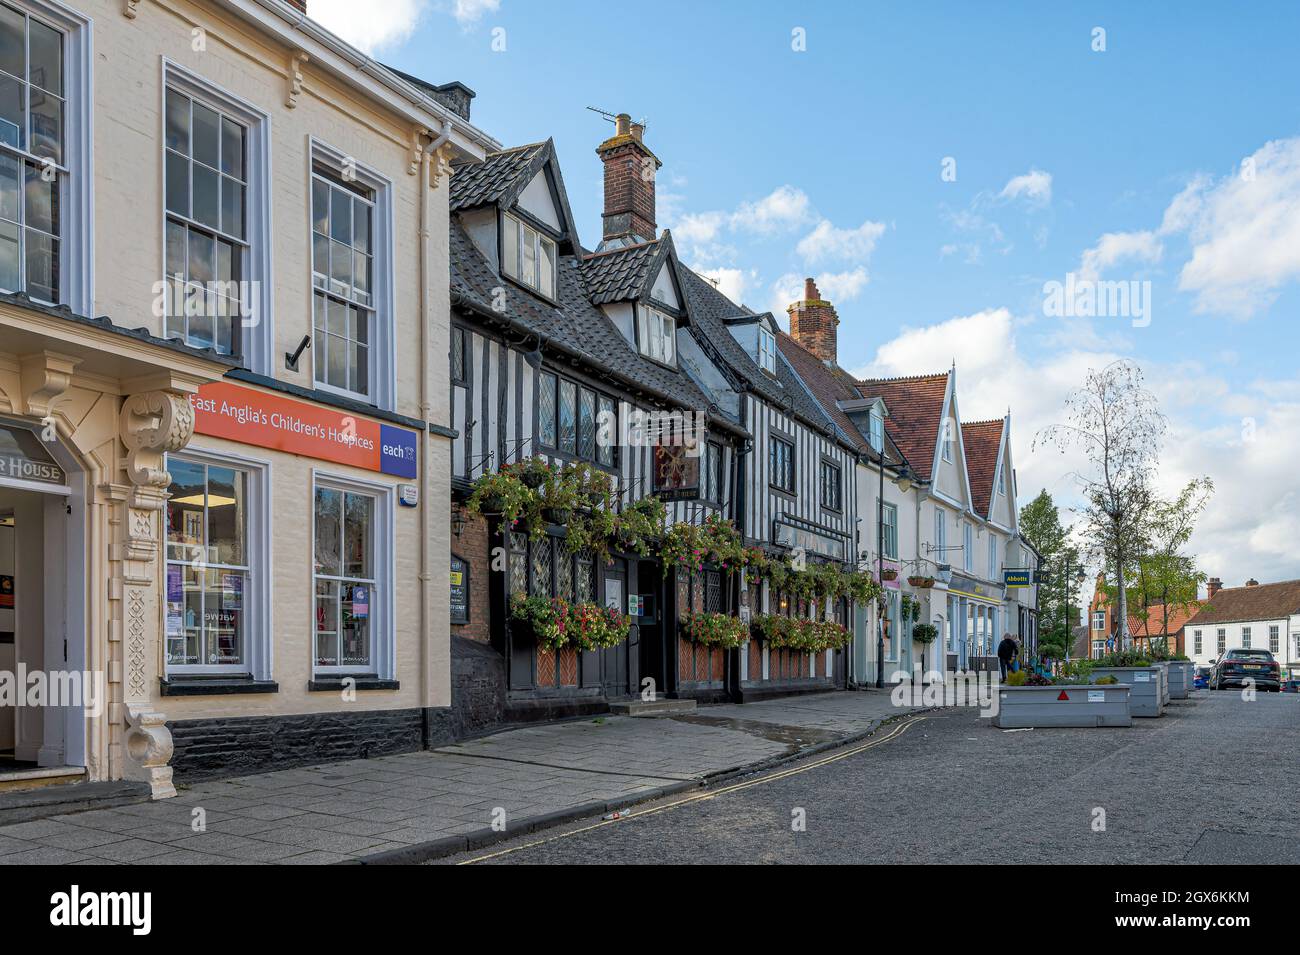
[
  {"x": 352, "y": 552},
  {"x": 217, "y": 560}
]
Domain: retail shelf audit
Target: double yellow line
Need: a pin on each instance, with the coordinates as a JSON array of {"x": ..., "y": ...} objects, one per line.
[{"x": 896, "y": 731}]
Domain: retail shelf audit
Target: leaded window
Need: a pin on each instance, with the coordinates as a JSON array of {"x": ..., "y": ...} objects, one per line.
[
  {"x": 780, "y": 456},
  {"x": 576, "y": 420}
]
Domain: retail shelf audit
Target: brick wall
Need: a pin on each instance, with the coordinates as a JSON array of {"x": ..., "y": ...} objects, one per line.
[
  {"x": 629, "y": 190},
  {"x": 813, "y": 323},
  {"x": 472, "y": 547}
]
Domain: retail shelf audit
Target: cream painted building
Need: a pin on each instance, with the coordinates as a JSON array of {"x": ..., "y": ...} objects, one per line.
[{"x": 227, "y": 506}]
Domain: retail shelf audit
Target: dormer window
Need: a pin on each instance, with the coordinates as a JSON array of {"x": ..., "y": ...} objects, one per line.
[
  {"x": 947, "y": 439},
  {"x": 876, "y": 432},
  {"x": 767, "y": 351},
  {"x": 527, "y": 256},
  {"x": 1002, "y": 482},
  {"x": 658, "y": 336}
]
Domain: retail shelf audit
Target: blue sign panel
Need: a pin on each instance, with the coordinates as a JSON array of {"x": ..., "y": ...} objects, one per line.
[
  {"x": 1017, "y": 578},
  {"x": 397, "y": 451}
]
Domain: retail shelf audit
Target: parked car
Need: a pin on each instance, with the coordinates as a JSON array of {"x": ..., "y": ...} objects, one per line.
[
  {"x": 1201, "y": 678},
  {"x": 1236, "y": 666},
  {"x": 1291, "y": 686}
]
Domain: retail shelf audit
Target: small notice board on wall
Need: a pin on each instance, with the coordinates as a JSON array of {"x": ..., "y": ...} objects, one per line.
[{"x": 459, "y": 590}]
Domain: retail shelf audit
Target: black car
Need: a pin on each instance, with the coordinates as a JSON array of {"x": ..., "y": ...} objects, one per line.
[{"x": 1236, "y": 666}]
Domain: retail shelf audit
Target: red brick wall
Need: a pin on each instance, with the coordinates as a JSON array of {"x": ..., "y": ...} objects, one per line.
[
  {"x": 813, "y": 323},
  {"x": 472, "y": 546}
]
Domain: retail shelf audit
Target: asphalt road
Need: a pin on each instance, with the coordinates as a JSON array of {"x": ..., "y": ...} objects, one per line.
[{"x": 1212, "y": 781}]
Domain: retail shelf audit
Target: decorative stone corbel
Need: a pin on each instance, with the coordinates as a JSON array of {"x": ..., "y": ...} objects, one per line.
[
  {"x": 296, "y": 59},
  {"x": 152, "y": 424},
  {"x": 45, "y": 375},
  {"x": 129, "y": 9},
  {"x": 441, "y": 166},
  {"x": 148, "y": 751},
  {"x": 417, "y": 150}
]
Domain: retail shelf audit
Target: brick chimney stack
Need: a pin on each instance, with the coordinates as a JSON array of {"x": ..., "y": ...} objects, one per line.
[
  {"x": 813, "y": 322},
  {"x": 1212, "y": 587},
  {"x": 630, "y": 169}
]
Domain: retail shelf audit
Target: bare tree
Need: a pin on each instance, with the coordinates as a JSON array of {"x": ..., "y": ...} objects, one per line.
[{"x": 1117, "y": 424}]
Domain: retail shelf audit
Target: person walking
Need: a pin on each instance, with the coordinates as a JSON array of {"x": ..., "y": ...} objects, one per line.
[{"x": 1007, "y": 651}]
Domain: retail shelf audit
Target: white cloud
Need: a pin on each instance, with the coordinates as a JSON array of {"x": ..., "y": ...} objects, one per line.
[
  {"x": 1245, "y": 232},
  {"x": 1034, "y": 186},
  {"x": 1115, "y": 247},
  {"x": 835, "y": 287},
  {"x": 699, "y": 227},
  {"x": 732, "y": 283},
  {"x": 382, "y": 23},
  {"x": 783, "y": 208},
  {"x": 826, "y": 242},
  {"x": 468, "y": 12}
]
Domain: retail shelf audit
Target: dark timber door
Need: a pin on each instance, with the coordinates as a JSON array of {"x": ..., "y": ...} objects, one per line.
[{"x": 614, "y": 672}]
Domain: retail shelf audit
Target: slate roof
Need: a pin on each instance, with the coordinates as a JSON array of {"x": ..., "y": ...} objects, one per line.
[
  {"x": 574, "y": 324},
  {"x": 915, "y": 408},
  {"x": 484, "y": 183},
  {"x": 982, "y": 441},
  {"x": 1261, "y": 602},
  {"x": 618, "y": 275}
]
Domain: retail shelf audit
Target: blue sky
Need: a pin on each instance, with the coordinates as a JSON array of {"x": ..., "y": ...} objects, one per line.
[{"x": 1124, "y": 164}]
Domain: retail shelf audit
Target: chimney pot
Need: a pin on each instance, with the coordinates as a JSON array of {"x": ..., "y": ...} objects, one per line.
[
  {"x": 810, "y": 293},
  {"x": 1252, "y": 582},
  {"x": 622, "y": 124}
]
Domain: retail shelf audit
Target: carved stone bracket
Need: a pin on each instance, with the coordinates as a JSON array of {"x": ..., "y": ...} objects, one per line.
[
  {"x": 417, "y": 150},
  {"x": 441, "y": 166},
  {"x": 296, "y": 60},
  {"x": 130, "y": 9},
  {"x": 152, "y": 424},
  {"x": 45, "y": 376},
  {"x": 149, "y": 750}
]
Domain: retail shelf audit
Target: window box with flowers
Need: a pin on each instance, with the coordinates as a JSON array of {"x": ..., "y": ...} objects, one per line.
[{"x": 715, "y": 630}]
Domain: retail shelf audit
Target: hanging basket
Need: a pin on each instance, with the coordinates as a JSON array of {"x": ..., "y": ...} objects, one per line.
[
  {"x": 926, "y": 583},
  {"x": 889, "y": 574},
  {"x": 916, "y": 580}
]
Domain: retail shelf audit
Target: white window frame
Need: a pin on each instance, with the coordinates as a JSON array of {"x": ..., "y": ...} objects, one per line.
[
  {"x": 381, "y": 373},
  {"x": 1099, "y": 620},
  {"x": 1274, "y": 639},
  {"x": 258, "y": 535},
  {"x": 77, "y": 192},
  {"x": 876, "y": 432},
  {"x": 1197, "y": 643},
  {"x": 968, "y": 546},
  {"x": 766, "y": 350},
  {"x": 946, "y": 436},
  {"x": 257, "y": 331},
  {"x": 993, "y": 557},
  {"x": 1221, "y": 640},
  {"x": 940, "y": 535},
  {"x": 657, "y": 328},
  {"x": 1245, "y": 638},
  {"x": 890, "y": 529},
  {"x": 539, "y": 238},
  {"x": 383, "y": 649}
]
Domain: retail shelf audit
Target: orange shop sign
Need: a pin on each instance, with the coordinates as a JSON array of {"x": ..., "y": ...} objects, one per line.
[{"x": 226, "y": 410}]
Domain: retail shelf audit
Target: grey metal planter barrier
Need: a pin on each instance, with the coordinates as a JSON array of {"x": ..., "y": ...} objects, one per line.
[
  {"x": 1164, "y": 682},
  {"x": 1070, "y": 705},
  {"x": 1148, "y": 698},
  {"x": 1180, "y": 679}
]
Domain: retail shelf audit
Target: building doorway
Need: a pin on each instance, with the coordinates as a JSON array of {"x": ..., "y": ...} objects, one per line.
[{"x": 42, "y": 605}]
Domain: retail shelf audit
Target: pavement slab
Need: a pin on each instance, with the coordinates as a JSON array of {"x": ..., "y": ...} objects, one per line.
[{"x": 412, "y": 806}]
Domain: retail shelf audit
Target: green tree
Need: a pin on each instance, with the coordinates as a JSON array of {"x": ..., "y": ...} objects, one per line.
[{"x": 1040, "y": 524}]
